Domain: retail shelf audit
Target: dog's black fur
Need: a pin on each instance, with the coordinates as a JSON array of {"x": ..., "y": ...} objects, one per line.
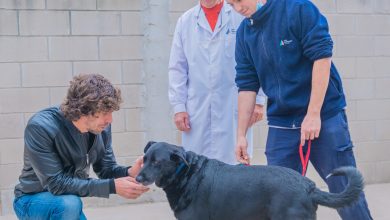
[{"x": 199, "y": 188}]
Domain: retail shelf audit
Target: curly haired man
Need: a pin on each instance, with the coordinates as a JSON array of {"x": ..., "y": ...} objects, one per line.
[{"x": 61, "y": 143}]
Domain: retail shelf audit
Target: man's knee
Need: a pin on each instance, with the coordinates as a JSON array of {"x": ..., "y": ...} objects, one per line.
[{"x": 70, "y": 205}]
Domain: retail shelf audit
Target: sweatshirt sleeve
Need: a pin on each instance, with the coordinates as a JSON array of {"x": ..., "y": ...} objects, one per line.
[
  {"x": 246, "y": 75},
  {"x": 313, "y": 31}
]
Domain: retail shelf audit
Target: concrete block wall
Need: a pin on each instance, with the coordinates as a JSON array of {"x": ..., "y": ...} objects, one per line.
[{"x": 44, "y": 43}]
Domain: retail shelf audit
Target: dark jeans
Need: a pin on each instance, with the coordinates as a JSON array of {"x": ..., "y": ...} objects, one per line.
[
  {"x": 331, "y": 150},
  {"x": 48, "y": 206}
]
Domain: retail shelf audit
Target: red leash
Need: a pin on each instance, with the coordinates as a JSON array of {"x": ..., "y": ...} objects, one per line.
[{"x": 304, "y": 159}]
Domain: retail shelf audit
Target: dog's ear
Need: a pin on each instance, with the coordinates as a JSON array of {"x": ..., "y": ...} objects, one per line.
[
  {"x": 179, "y": 155},
  {"x": 150, "y": 143}
]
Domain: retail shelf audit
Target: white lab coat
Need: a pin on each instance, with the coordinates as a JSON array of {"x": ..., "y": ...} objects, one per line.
[{"x": 202, "y": 82}]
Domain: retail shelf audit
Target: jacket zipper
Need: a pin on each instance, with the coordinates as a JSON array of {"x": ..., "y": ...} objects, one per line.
[{"x": 271, "y": 63}]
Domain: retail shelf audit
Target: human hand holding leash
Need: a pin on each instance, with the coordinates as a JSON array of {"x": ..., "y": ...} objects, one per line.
[
  {"x": 128, "y": 188},
  {"x": 310, "y": 128},
  {"x": 241, "y": 150},
  {"x": 182, "y": 121}
]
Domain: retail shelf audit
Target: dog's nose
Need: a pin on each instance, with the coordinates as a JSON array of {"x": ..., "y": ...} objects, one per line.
[{"x": 139, "y": 178}]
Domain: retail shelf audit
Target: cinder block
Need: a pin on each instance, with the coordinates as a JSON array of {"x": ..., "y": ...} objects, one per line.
[
  {"x": 11, "y": 151},
  {"x": 21, "y": 49},
  {"x": 121, "y": 48},
  {"x": 382, "y": 88},
  {"x": 6, "y": 208},
  {"x": 365, "y": 67},
  {"x": 73, "y": 48},
  {"x": 44, "y": 22},
  {"x": 340, "y": 24},
  {"x": 181, "y": 6},
  {"x": 355, "y": 6},
  {"x": 12, "y": 126},
  {"x": 362, "y": 130},
  {"x": 372, "y": 151},
  {"x": 373, "y": 24},
  {"x": 373, "y": 109},
  {"x": 135, "y": 119},
  {"x": 355, "y": 46},
  {"x": 46, "y": 74},
  {"x": 128, "y": 143},
  {"x": 119, "y": 121},
  {"x": 346, "y": 66},
  {"x": 359, "y": 88},
  {"x": 27, "y": 117},
  {"x": 133, "y": 72},
  {"x": 23, "y": 99},
  {"x": 133, "y": 96},
  {"x": 351, "y": 109},
  {"x": 383, "y": 132},
  {"x": 382, "y": 6},
  {"x": 22, "y": 4},
  {"x": 173, "y": 17},
  {"x": 57, "y": 95},
  {"x": 9, "y": 75},
  {"x": 381, "y": 66},
  {"x": 71, "y": 5},
  {"x": 9, "y": 175},
  {"x": 110, "y": 69},
  {"x": 382, "y": 46},
  {"x": 383, "y": 171},
  {"x": 8, "y": 22},
  {"x": 326, "y": 6},
  {"x": 369, "y": 172},
  {"x": 131, "y": 23},
  {"x": 369, "y": 67},
  {"x": 122, "y": 5},
  {"x": 95, "y": 23}
]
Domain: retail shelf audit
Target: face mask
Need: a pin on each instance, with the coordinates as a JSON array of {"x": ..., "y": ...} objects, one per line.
[{"x": 259, "y": 5}]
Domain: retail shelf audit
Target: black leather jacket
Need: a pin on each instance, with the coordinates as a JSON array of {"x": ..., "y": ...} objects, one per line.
[{"x": 56, "y": 158}]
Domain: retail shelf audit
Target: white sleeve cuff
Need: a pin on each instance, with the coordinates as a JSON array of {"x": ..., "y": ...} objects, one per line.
[{"x": 179, "y": 108}]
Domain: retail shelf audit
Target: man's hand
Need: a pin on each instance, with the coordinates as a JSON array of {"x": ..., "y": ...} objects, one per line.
[
  {"x": 128, "y": 188},
  {"x": 134, "y": 170},
  {"x": 257, "y": 114},
  {"x": 241, "y": 150},
  {"x": 182, "y": 121},
  {"x": 310, "y": 128}
]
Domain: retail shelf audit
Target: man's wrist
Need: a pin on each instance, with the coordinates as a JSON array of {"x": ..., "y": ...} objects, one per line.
[{"x": 129, "y": 171}]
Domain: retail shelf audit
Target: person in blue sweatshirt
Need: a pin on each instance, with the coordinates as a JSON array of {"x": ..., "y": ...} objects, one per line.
[{"x": 284, "y": 47}]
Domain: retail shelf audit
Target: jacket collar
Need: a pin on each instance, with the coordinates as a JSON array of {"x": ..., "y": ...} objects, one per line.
[{"x": 261, "y": 15}]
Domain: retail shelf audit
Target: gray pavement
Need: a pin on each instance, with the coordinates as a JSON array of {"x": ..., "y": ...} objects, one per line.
[{"x": 378, "y": 196}]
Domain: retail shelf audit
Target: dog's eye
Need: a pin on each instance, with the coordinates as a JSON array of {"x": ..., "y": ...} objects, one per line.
[{"x": 155, "y": 162}]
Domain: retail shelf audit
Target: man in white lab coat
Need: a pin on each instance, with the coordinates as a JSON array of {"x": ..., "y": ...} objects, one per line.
[{"x": 202, "y": 89}]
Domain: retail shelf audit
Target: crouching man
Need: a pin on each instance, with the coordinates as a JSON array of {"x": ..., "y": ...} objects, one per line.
[{"x": 61, "y": 143}]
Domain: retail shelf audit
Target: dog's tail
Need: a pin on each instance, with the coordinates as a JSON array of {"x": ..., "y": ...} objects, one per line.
[{"x": 347, "y": 197}]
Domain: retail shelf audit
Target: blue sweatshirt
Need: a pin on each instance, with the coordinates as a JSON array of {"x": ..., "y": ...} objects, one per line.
[{"x": 276, "y": 49}]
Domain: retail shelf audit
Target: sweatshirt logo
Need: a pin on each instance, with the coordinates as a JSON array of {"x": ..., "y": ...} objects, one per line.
[{"x": 285, "y": 42}]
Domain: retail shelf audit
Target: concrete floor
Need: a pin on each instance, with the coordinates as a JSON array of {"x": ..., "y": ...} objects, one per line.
[{"x": 378, "y": 196}]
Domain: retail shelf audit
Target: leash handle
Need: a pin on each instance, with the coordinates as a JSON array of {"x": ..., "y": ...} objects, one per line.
[{"x": 304, "y": 158}]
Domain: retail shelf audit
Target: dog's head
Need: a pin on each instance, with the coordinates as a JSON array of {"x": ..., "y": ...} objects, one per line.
[{"x": 162, "y": 163}]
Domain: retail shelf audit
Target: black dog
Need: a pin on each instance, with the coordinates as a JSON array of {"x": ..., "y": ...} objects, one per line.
[{"x": 199, "y": 188}]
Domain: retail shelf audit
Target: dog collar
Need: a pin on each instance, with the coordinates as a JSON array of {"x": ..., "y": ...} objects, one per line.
[{"x": 180, "y": 168}]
